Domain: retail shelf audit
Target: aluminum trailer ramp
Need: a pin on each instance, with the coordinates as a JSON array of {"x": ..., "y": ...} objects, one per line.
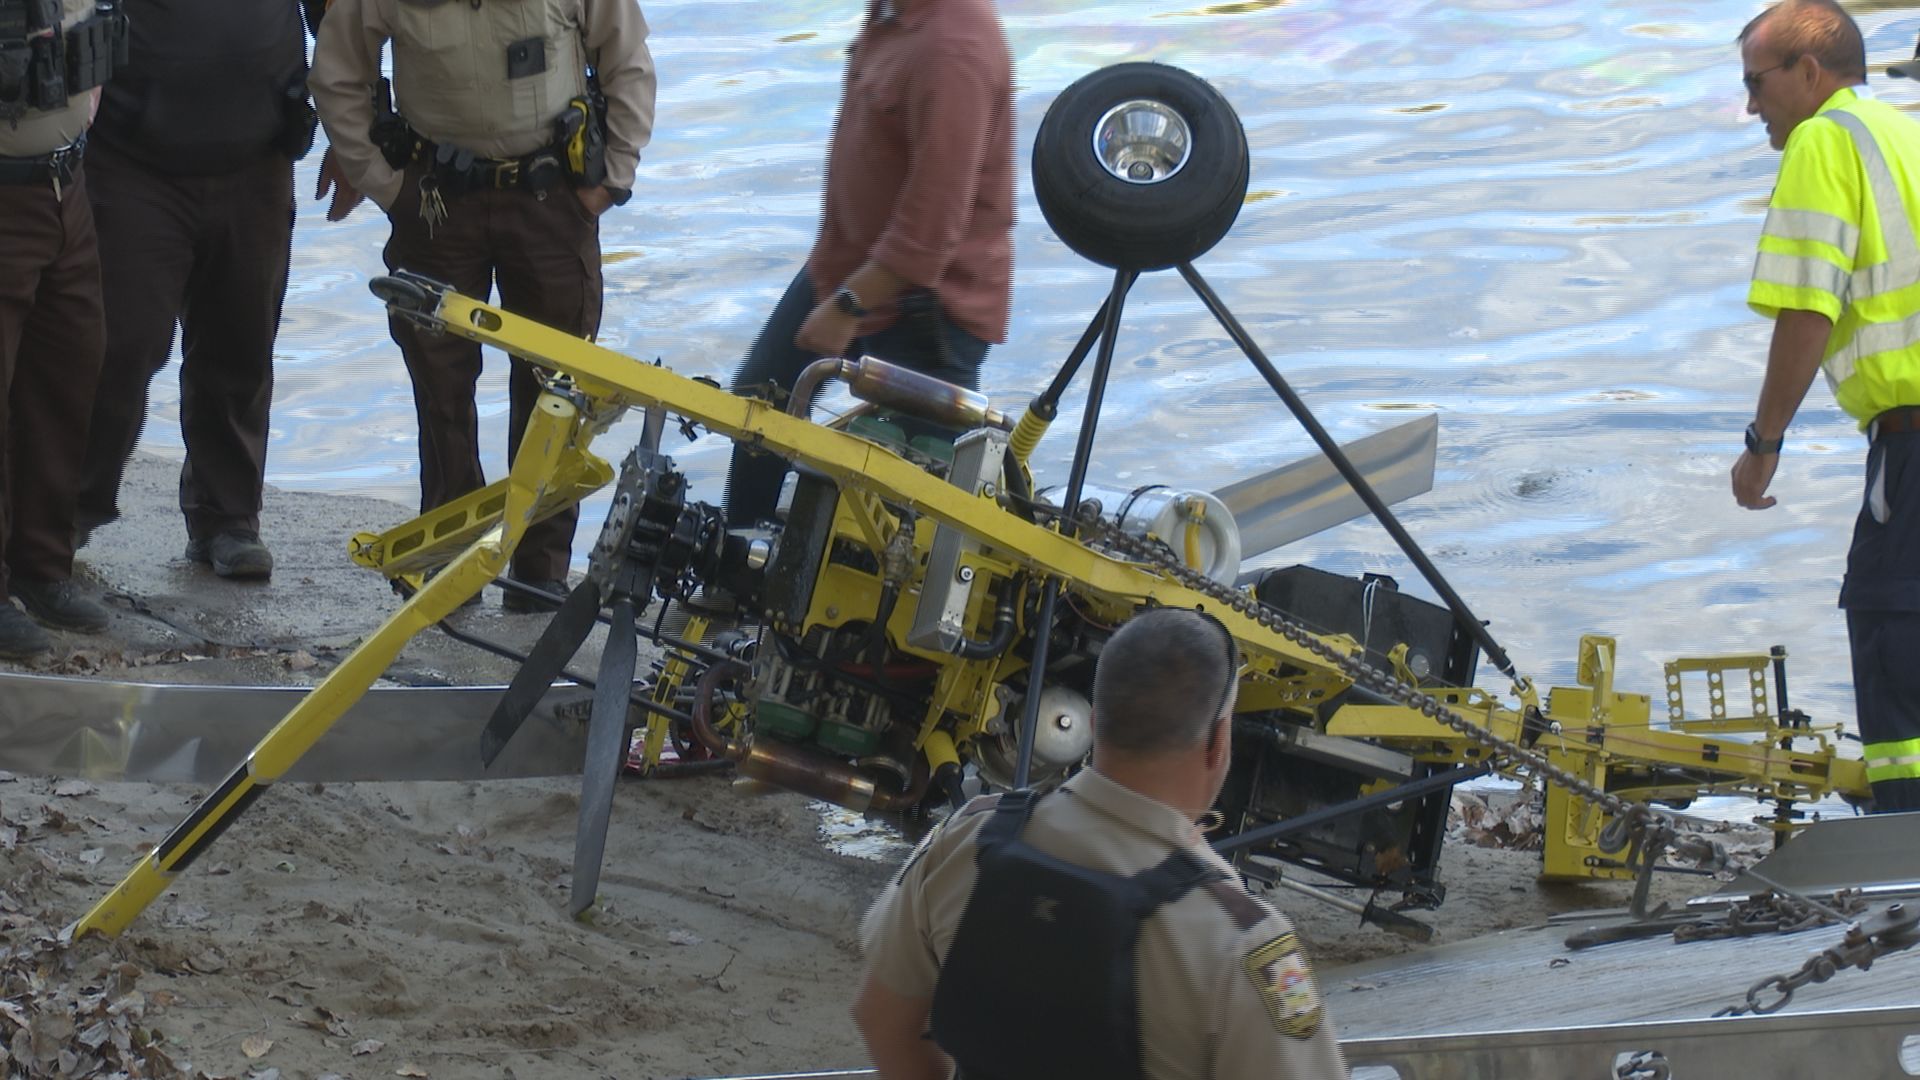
[
  {"x": 1519, "y": 1005},
  {"x": 1868, "y": 1044}
]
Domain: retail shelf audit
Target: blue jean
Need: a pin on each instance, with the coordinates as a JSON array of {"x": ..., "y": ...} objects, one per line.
[{"x": 753, "y": 480}]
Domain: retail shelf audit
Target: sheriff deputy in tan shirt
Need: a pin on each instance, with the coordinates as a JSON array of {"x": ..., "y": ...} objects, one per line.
[
  {"x": 493, "y": 157},
  {"x": 1093, "y": 932}
]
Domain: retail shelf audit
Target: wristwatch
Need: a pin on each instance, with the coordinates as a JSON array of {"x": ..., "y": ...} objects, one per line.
[
  {"x": 1759, "y": 446},
  {"x": 845, "y": 299}
]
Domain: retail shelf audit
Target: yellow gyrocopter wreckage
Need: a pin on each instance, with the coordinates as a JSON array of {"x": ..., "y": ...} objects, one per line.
[{"x": 921, "y": 621}]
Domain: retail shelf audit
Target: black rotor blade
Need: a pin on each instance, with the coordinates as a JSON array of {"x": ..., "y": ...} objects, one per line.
[
  {"x": 606, "y": 750},
  {"x": 558, "y": 642}
]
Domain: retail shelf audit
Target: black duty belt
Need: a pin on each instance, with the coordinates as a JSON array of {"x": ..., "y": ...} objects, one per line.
[
  {"x": 57, "y": 167},
  {"x": 1898, "y": 421},
  {"x": 461, "y": 170}
]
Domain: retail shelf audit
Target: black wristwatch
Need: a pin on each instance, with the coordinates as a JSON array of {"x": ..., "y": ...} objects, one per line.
[
  {"x": 1759, "y": 446},
  {"x": 848, "y": 303}
]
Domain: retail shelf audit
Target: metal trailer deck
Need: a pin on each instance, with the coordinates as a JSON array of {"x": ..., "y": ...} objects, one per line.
[{"x": 1520, "y": 1005}]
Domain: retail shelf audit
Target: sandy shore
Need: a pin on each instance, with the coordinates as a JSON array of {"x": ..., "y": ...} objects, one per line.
[{"x": 420, "y": 929}]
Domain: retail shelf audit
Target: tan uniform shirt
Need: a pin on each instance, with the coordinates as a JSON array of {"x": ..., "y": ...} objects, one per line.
[
  {"x": 346, "y": 64},
  {"x": 38, "y": 133},
  {"x": 1223, "y": 988}
]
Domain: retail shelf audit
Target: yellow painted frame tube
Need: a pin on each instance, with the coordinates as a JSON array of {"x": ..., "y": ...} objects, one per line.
[
  {"x": 550, "y": 433},
  {"x": 855, "y": 463}
]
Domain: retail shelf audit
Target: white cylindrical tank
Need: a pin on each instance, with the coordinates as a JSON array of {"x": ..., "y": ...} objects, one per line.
[{"x": 1195, "y": 524}]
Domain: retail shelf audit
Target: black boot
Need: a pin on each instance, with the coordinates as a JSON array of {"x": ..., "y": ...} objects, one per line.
[
  {"x": 236, "y": 553},
  {"x": 20, "y": 637},
  {"x": 59, "y": 604}
]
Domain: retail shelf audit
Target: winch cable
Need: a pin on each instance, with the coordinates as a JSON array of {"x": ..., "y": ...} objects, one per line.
[
  {"x": 1355, "y": 479},
  {"x": 1644, "y": 832}
]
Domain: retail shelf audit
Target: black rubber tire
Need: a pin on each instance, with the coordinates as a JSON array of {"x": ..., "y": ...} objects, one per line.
[{"x": 1130, "y": 226}]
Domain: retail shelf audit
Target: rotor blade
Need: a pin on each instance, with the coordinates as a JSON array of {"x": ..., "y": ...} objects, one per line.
[
  {"x": 558, "y": 642},
  {"x": 1310, "y": 495},
  {"x": 606, "y": 752}
]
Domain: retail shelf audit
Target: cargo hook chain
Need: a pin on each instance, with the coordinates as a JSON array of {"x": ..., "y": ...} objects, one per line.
[{"x": 1889, "y": 931}]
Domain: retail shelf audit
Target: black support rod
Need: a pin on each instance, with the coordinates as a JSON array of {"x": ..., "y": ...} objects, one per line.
[
  {"x": 1109, "y": 324},
  {"x": 1058, "y": 387},
  {"x": 1354, "y": 478},
  {"x": 1414, "y": 789}
]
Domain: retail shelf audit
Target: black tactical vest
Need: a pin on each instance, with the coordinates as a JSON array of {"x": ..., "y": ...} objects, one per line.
[
  {"x": 211, "y": 84},
  {"x": 1039, "y": 982},
  {"x": 47, "y": 56}
]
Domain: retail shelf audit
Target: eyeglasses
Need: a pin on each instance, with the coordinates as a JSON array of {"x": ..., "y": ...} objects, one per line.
[{"x": 1754, "y": 78}]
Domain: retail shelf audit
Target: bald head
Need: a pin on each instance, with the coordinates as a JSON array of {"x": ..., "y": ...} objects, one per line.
[
  {"x": 1161, "y": 682},
  {"x": 1821, "y": 29}
]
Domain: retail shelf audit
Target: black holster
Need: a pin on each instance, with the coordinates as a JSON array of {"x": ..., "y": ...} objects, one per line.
[
  {"x": 389, "y": 132},
  {"x": 298, "y": 119}
]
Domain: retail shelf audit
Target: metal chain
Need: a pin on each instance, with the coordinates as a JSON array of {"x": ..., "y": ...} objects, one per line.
[
  {"x": 1889, "y": 931},
  {"x": 1637, "y": 824},
  {"x": 1773, "y": 913},
  {"x": 1644, "y": 1065}
]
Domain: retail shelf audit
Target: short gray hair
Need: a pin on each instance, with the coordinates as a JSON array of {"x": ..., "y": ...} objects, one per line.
[
  {"x": 1821, "y": 29},
  {"x": 1162, "y": 680}
]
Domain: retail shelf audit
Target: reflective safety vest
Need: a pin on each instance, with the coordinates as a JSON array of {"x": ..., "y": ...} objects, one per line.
[
  {"x": 1839, "y": 239},
  {"x": 1899, "y": 760}
]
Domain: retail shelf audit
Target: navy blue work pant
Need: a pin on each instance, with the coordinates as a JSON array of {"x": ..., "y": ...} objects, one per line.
[
  {"x": 775, "y": 362},
  {"x": 1882, "y": 597}
]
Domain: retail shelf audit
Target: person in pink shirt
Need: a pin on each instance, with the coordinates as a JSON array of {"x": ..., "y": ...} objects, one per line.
[{"x": 914, "y": 260}]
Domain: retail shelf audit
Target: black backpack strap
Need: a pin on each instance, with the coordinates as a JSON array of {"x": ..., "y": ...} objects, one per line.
[
  {"x": 1169, "y": 881},
  {"x": 1009, "y": 817}
]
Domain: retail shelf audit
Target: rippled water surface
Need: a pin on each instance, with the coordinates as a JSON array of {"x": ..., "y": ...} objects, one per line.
[{"x": 1533, "y": 217}]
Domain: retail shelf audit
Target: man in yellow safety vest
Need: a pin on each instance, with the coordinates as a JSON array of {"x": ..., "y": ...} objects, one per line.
[{"x": 1839, "y": 273}]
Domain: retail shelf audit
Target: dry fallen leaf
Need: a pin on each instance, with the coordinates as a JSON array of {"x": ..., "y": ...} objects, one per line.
[
  {"x": 207, "y": 963},
  {"x": 410, "y": 1069},
  {"x": 92, "y": 856},
  {"x": 72, "y": 788},
  {"x": 367, "y": 1046},
  {"x": 255, "y": 1046},
  {"x": 683, "y": 937}
]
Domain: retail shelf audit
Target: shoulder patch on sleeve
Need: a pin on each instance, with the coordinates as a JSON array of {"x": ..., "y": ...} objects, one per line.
[
  {"x": 1280, "y": 973},
  {"x": 1246, "y": 911}
]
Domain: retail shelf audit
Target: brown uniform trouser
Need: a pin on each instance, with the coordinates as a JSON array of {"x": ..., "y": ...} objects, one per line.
[
  {"x": 51, "y": 338},
  {"x": 211, "y": 253},
  {"x": 545, "y": 255}
]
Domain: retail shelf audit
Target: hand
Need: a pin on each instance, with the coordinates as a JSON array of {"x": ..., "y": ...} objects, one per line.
[
  {"x": 828, "y": 330},
  {"x": 1751, "y": 475},
  {"x": 345, "y": 195},
  {"x": 597, "y": 199}
]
